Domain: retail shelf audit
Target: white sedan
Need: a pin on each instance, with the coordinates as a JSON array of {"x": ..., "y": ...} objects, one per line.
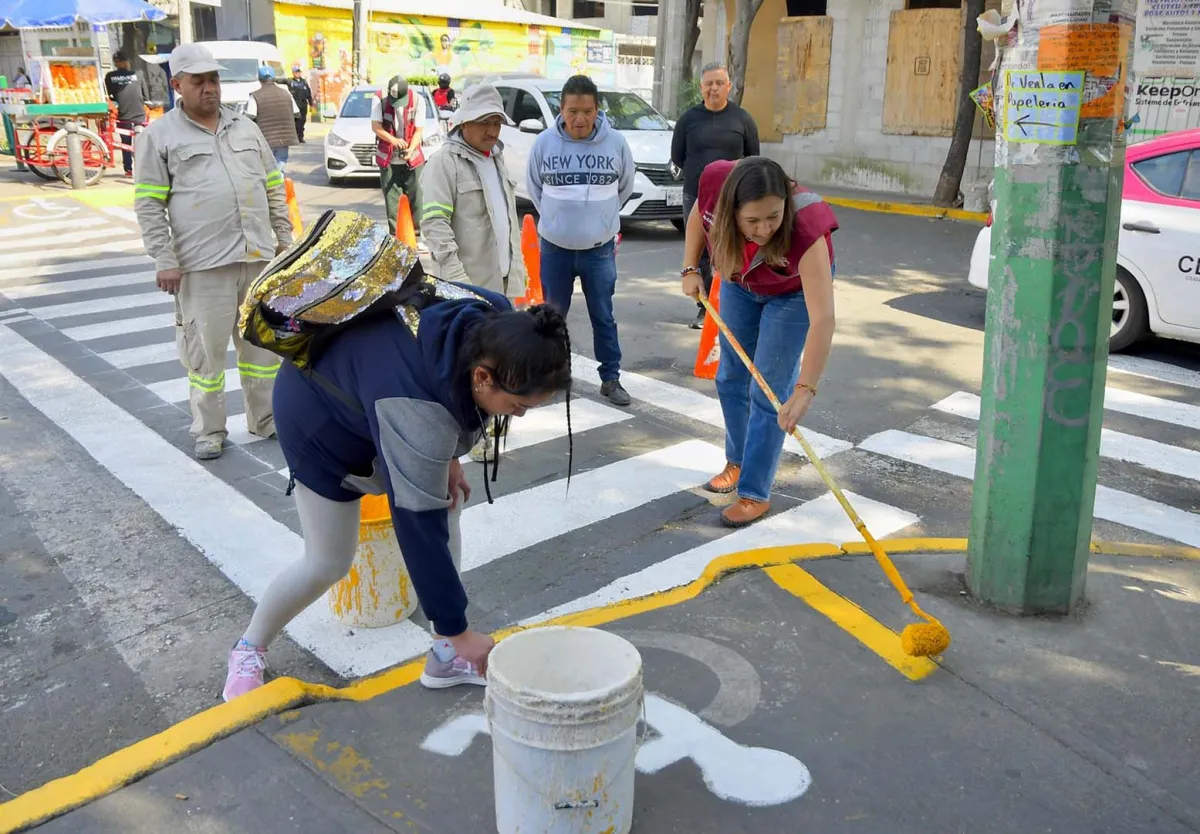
[{"x": 1157, "y": 289}]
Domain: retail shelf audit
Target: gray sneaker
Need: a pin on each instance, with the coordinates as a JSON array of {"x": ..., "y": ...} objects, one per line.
[
  {"x": 615, "y": 393},
  {"x": 208, "y": 449},
  {"x": 443, "y": 674}
]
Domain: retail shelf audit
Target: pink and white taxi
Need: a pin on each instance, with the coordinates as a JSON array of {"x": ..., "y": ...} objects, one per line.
[{"x": 1158, "y": 255}]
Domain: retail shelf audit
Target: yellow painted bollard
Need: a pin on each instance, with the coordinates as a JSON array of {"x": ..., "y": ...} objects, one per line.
[{"x": 377, "y": 591}]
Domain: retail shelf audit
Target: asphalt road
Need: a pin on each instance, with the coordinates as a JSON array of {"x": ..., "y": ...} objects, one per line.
[{"x": 120, "y": 595}]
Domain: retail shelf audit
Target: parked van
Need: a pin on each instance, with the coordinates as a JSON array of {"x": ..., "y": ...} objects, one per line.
[{"x": 241, "y": 60}]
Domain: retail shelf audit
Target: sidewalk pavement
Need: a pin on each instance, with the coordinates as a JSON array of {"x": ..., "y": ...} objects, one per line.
[{"x": 778, "y": 699}]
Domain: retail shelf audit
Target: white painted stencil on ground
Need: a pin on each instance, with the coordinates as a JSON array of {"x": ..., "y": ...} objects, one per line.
[
  {"x": 46, "y": 208},
  {"x": 753, "y": 776}
]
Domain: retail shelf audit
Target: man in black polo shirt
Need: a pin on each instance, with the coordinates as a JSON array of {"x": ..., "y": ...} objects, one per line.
[
  {"x": 714, "y": 129},
  {"x": 129, "y": 91}
]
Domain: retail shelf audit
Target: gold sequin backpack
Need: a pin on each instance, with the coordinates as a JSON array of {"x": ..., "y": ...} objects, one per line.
[{"x": 345, "y": 268}]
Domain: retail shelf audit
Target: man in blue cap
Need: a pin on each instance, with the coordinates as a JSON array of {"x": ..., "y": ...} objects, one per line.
[{"x": 275, "y": 111}]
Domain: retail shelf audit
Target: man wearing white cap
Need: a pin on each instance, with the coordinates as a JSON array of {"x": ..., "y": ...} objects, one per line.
[
  {"x": 211, "y": 205},
  {"x": 468, "y": 211}
]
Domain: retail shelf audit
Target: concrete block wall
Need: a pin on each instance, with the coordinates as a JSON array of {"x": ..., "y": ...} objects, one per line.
[{"x": 852, "y": 151}]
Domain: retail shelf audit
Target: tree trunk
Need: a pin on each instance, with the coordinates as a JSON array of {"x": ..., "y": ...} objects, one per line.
[
  {"x": 946, "y": 193},
  {"x": 691, "y": 36},
  {"x": 739, "y": 46}
]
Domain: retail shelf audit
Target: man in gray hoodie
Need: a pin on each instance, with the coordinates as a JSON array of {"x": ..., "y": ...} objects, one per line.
[{"x": 579, "y": 175}]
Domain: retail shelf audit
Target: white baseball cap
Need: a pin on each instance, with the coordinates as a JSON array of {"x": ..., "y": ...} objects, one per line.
[{"x": 193, "y": 58}]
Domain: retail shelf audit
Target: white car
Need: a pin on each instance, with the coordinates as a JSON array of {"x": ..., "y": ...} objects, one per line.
[
  {"x": 532, "y": 102},
  {"x": 1157, "y": 288},
  {"x": 350, "y": 143}
]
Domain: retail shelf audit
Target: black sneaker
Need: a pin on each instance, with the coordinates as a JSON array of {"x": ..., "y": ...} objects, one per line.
[
  {"x": 615, "y": 393},
  {"x": 698, "y": 322}
]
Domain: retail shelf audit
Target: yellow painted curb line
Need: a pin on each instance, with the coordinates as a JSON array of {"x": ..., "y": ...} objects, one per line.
[
  {"x": 98, "y": 198},
  {"x": 156, "y": 752},
  {"x": 909, "y": 209}
]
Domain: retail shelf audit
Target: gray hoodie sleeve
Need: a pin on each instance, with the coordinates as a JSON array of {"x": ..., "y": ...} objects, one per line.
[
  {"x": 533, "y": 173},
  {"x": 628, "y": 169}
]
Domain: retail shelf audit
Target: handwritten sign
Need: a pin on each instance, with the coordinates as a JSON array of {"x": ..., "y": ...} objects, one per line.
[
  {"x": 1094, "y": 47},
  {"x": 1042, "y": 108}
]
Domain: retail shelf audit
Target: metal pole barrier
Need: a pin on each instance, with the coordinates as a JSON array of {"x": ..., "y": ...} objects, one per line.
[{"x": 75, "y": 156}]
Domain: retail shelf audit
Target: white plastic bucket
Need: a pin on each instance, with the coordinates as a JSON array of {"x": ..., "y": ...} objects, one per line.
[{"x": 563, "y": 704}]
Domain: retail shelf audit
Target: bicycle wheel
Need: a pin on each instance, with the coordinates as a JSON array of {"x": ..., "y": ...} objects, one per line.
[{"x": 96, "y": 156}]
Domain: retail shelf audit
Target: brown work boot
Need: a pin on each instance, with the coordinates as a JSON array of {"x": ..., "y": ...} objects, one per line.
[
  {"x": 744, "y": 511},
  {"x": 727, "y": 481}
]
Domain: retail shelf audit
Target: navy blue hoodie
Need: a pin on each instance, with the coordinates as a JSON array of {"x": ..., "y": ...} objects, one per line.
[{"x": 419, "y": 416}]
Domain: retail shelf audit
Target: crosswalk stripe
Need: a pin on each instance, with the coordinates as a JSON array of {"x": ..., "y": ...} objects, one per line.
[
  {"x": 1111, "y": 504},
  {"x": 24, "y": 273},
  {"x": 102, "y": 282},
  {"x": 118, "y": 327},
  {"x": 521, "y": 519},
  {"x": 689, "y": 403},
  {"x": 138, "y": 356},
  {"x": 49, "y": 243},
  {"x": 108, "y": 304},
  {"x": 1153, "y": 408},
  {"x": 549, "y": 423},
  {"x": 63, "y": 254},
  {"x": 1151, "y": 369},
  {"x": 16, "y": 319},
  {"x": 121, "y": 213},
  {"x": 819, "y": 520},
  {"x": 52, "y": 226},
  {"x": 1162, "y": 457}
]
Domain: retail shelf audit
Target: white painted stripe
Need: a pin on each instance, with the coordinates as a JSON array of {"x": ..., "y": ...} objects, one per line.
[
  {"x": 47, "y": 244},
  {"x": 110, "y": 304},
  {"x": 100, "y": 282},
  {"x": 212, "y": 515},
  {"x": 121, "y": 213},
  {"x": 1111, "y": 504},
  {"x": 820, "y": 520},
  {"x": 18, "y": 311},
  {"x": 178, "y": 390},
  {"x": 1153, "y": 408},
  {"x": 1161, "y": 457},
  {"x": 1152, "y": 369},
  {"x": 35, "y": 258},
  {"x": 16, "y": 319},
  {"x": 51, "y": 226},
  {"x": 549, "y": 423},
  {"x": 522, "y": 519},
  {"x": 118, "y": 327},
  {"x": 24, "y": 273},
  {"x": 689, "y": 403},
  {"x": 139, "y": 356}
]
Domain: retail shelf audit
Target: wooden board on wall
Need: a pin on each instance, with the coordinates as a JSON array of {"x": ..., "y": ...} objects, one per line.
[
  {"x": 758, "y": 99},
  {"x": 920, "y": 96},
  {"x": 802, "y": 79}
]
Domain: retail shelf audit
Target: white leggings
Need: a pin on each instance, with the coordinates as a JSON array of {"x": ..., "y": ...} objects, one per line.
[{"x": 330, "y": 530}]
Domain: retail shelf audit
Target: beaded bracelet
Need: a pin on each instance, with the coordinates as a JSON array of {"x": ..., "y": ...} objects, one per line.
[{"x": 805, "y": 385}]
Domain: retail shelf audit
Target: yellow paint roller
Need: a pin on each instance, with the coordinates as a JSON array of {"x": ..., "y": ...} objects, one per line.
[{"x": 917, "y": 639}]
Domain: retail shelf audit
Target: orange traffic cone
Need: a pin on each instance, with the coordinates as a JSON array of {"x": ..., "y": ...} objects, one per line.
[
  {"x": 293, "y": 208},
  {"x": 405, "y": 233},
  {"x": 531, "y": 252},
  {"x": 709, "y": 353}
]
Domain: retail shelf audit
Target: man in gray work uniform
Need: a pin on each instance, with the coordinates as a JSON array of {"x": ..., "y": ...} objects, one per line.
[{"x": 211, "y": 205}]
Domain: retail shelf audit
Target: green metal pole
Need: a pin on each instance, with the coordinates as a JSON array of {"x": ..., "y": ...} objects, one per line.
[{"x": 1059, "y": 174}]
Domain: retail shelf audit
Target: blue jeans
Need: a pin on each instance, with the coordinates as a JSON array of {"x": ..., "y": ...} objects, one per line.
[
  {"x": 597, "y": 272},
  {"x": 772, "y": 330},
  {"x": 281, "y": 156}
]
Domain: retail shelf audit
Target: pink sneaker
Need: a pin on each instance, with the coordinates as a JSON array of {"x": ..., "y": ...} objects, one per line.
[
  {"x": 441, "y": 674},
  {"x": 246, "y": 665}
]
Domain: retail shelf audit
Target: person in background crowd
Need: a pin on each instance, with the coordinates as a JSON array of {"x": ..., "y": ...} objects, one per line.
[
  {"x": 444, "y": 97},
  {"x": 302, "y": 94},
  {"x": 714, "y": 129},
  {"x": 398, "y": 148},
  {"x": 130, "y": 93},
  {"x": 469, "y": 216},
  {"x": 209, "y": 234},
  {"x": 21, "y": 80},
  {"x": 276, "y": 112},
  {"x": 580, "y": 173},
  {"x": 773, "y": 243}
]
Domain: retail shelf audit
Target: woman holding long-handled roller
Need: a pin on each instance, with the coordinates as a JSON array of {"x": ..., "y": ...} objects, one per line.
[{"x": 771, "y": 242}]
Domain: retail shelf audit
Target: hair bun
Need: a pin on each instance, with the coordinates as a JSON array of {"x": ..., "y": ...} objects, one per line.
[{"x": 548, "y": 321}]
